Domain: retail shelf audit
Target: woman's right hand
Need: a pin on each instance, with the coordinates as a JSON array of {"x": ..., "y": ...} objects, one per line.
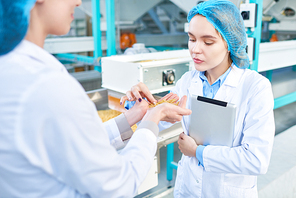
[
  {"x": 137, "y": 92},
  {"x": 168, "y": 112}
]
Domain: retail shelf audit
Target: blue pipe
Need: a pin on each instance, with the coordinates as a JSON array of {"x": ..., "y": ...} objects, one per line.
[
  {"x": 80, "y": 58},
  {"x": 96, "y": 28},
  {"x": 111, "y": 38},
  {"x": 170, "y": 161},
  {"x": 284, "y": 100}
]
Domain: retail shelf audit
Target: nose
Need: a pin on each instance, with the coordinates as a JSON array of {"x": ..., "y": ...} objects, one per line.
[
  {"x": 197, "y": 48},
  {"x": 78, "y": 3}
]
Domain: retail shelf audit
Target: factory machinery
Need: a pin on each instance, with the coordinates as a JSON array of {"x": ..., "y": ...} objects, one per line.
[{"x": 163, "y": 23}]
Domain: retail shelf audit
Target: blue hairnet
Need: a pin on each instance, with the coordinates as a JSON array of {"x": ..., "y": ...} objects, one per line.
[
  {"x": 227, "y": 20},
  {"x": 14, "y": 21}
]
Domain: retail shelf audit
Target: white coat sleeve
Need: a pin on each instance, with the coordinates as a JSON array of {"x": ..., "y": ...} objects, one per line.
[
  {"x": 119, "y": 131},
  {"x": 61, "y": 133},
  {"x": 253, "y": 155}
]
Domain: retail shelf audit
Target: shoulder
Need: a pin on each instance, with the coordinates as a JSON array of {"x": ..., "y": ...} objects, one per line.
[
  {"x": 257, "y": 88},
  {"x": 189, "y": 75},
  {"x": 255, "y": 79}
]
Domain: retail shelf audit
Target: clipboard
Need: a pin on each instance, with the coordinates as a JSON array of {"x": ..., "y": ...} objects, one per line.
[{"x": 212, "y": 121}]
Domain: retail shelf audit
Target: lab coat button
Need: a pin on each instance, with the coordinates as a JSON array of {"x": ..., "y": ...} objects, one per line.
[{"x": 197, "y": 181}]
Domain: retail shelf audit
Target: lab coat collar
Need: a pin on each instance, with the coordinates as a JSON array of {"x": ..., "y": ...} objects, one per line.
[
  {"x": 37, "y": 53},
  {"x": 234, "y": 76},
  {"x": 195, "y": 87},
  {"x": 223, "y": 93}
]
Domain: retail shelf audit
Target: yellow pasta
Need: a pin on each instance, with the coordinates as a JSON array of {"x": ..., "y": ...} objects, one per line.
[
  {"x": 172, "y": 101},
  {"x": 106, "y": 115}
]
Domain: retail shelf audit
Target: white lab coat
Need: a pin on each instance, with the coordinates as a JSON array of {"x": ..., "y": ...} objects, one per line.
[
  {"x": 230, "y": 172},
  {"x": 52, "y": 142}
]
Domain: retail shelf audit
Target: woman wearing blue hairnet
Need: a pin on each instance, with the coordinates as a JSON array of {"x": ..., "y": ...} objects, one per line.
[
  {"x": 52, "y": 142},
  {"x": 217, "y": 43}
]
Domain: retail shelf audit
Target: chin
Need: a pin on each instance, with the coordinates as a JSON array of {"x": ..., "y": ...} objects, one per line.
[
  {"x": 62, "y": 31},
  {"x": 200, "y": 68}
]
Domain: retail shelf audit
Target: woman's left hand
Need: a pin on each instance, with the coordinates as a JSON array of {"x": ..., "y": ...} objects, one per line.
[
  {"x": 170, "y": 96},
  {"x": 136, "y": 113},
  {"x": 187, "y": 145}
]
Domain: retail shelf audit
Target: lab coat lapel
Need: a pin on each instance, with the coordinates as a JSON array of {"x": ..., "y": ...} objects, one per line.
[
  {"x": 39, "y": 54},
  {"x": 195, "y": 87},
  {"x": 228, "y": 88}
]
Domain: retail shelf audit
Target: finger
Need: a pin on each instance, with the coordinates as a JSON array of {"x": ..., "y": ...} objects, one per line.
[
  {"x": 182, "y": 135},
  {"x": 177, "y": 118},
  {"x": 169, "y": 96},
  {"x": 176, "y": 97},
  {"x": 123, "y": 99},
  {"x": 130, "y": 96},
  {"x": 182, "y": 102},
  {"x": 144, "y": 89},
  {"x": 166, "y": 97},
  {"x": 136, "y": 92},
  {"x": 172, "y": 122}
]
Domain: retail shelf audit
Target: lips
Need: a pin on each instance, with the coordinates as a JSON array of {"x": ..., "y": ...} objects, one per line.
[{"x": 196, "y": 60}]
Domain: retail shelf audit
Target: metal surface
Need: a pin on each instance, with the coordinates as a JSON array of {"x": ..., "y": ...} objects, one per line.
[
  {"x": 100, "y": 98},
  {"x": 70, "y": 45},
  {"x": 277, "y": 9},
  {"x": 86, "y": 44},
  {"x": 162, "y": 39},
  {"x": 133, "y": 10},
  {"x": 90, "y": 80},
  {"x": 153, "y": 77},
  {"x": 155, "y": 18},
  {"x": 275, "y": 55},
  {"x": 120, "y": 73}
]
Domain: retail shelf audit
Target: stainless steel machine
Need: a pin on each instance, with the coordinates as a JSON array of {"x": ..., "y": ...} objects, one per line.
[{"x": 159, "y": 71}]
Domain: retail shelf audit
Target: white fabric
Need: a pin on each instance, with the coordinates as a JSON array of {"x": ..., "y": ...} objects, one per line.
[
  {"x": 52, "y": 142},
  {"x": 230, "y": 172}
]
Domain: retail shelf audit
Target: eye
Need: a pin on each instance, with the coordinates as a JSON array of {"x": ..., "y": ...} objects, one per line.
[
  {"x": 207, "y": 43},
  {"x": 192, "y": 40}
]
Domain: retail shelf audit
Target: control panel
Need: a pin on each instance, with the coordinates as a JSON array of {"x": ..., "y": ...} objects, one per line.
[{"x": 249, "y": 14}]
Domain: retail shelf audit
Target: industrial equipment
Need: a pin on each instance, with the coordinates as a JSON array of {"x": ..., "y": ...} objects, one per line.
[{"x": 159, "y": 71}]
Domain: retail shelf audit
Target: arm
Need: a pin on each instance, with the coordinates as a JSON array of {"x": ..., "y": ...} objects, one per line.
[
  {"x": 68, "y": 142},
  {"x": 119, "y": 128},
  {"x": 119, "y": 131}
]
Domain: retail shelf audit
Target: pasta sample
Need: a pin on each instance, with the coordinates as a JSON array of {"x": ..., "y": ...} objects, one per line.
[
  {"x": 172, "y": 101},
  {"x": 106, "y": 115}
]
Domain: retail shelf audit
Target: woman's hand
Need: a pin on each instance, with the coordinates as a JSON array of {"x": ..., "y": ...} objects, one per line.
[
  {"x": 137, "y": 112},
  {"x": 168, "y": 112},
  {"x": 138, "y": 92},
  {"x": 187, "y": 145},
  {"x": 170, "y": 96}
]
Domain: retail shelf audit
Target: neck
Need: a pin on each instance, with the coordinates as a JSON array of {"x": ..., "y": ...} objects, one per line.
[
  {"x": 36, "y": 33},
  {"x": 213, "y": 74}
]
